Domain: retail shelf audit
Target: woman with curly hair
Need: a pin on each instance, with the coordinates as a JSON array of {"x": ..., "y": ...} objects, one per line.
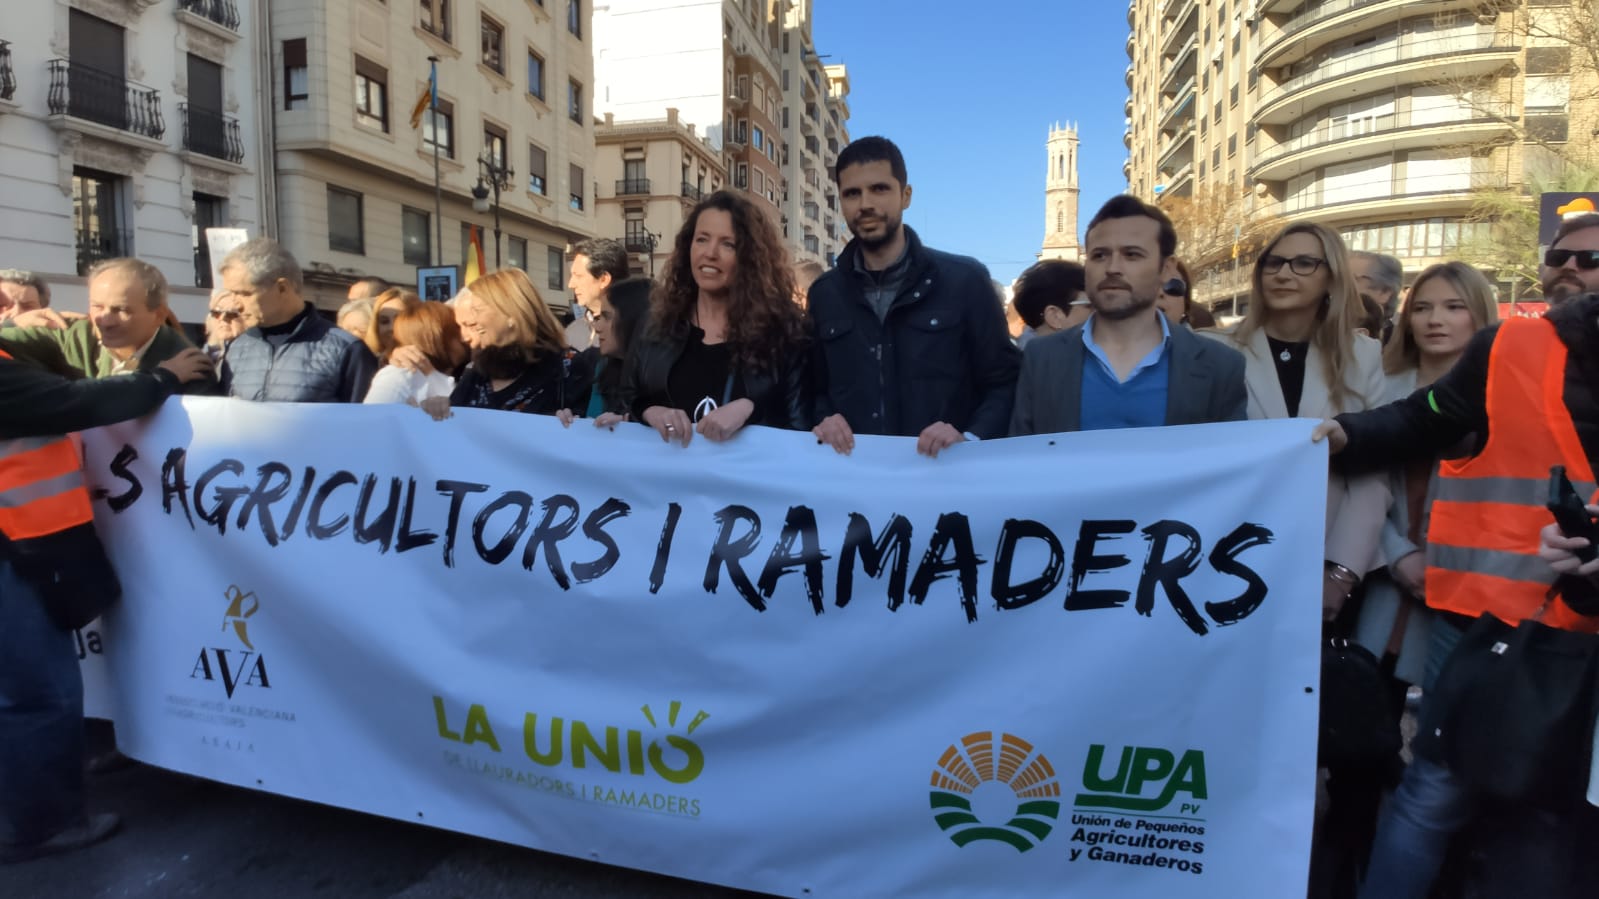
[{"x": 725, "y": 345}]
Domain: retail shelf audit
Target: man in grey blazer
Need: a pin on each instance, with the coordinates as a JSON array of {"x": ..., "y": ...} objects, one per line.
[{"x": 1126, "y": 367}]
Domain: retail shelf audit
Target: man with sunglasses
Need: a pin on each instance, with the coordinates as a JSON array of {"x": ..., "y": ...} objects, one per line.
[
  {"x": 129, "y": 328},
  {"x": 1571, "y": 264},
  {"x": 1523, "y": 397}
]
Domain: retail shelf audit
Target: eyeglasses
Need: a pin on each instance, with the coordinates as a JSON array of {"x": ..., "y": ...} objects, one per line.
[
  {"x": 1301, "y": 265},
  {"x": 593, "y": 315},
  {"x": 1587, "y": 260},
  {"x": 225, "y": 315}
]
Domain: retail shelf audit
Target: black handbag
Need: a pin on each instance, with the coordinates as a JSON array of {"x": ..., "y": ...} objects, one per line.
[
  {"x": 71, "y": 573},
  {"x": 1357, "y": 728},
  {"x": 1512, "y": 713}
]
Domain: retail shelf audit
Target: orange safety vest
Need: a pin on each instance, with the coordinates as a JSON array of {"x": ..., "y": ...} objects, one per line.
[
  {"x": 1487, "y": 510},
  {"x": 42, "y": 488}
]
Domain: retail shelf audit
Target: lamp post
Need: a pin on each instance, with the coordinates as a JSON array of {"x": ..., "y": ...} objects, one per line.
[
  {"x": 650, "y": 239},
  {"x": 493, "y": 175}
]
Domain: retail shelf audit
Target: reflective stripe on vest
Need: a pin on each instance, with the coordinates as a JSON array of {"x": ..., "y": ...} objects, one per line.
[
  {"x": 42, "y": 488},
  {"x": 1482, "y": 542}
]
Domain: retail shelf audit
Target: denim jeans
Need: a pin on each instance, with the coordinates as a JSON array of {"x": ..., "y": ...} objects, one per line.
[
  {"x": 1430, "y": 806},
  {"x": 41, "y": 719}
]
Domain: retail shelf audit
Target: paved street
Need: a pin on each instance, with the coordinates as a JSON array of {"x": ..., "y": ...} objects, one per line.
[{"x": 187, "y": 837}]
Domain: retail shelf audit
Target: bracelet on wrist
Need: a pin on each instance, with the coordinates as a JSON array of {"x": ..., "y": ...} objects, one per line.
[{"x": 1342, "y": 575}]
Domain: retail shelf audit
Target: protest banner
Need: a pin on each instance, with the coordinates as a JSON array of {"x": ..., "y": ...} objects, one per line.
[{"x": 1078, "y": 664}]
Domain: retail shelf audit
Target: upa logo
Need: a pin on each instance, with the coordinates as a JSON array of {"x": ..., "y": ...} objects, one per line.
[
  {"x": 244, "y": 667},
  {"x": 1147, "y": 779},
  {"x": 987, "y": 778}
]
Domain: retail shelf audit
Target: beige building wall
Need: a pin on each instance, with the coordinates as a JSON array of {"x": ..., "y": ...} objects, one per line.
[
  {"x": 1382, "y": 118},
  {"x": 660, "y": 169},
  {"x": 356, "y": 181}
]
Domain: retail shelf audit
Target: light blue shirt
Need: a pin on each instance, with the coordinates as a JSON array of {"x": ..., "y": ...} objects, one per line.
[{"x": 1104, "y": 360}]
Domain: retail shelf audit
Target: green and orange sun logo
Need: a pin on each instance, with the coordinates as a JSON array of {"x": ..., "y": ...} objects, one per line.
[{"x": 994, "y": 769}]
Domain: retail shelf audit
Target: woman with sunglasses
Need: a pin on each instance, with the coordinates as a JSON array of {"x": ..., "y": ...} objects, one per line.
[
  {"x": 224, "y": 320},
  {"x": 725, "y": 344}
]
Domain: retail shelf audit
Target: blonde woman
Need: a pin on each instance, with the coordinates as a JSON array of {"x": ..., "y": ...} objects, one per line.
[
  {"x": 1303, "y": 359},
  {"x": 520, "y": 359},
  {"x": 386, "y": 307},
  {"x": 1446, "y": 306}
]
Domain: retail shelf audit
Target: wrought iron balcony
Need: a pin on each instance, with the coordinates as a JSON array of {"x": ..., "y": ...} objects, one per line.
[
  {"x": 629, "y": 186},
  {"x": 211, "y": 134},
  {"x": 8, "y": 79},
  {"x": 639, "y": 240},
  {"x": 222, "y": 12},
  {"x": 94, "y": 246},
  {"x": 691, "y": 192},
  {"x": 87, "y": 93}
]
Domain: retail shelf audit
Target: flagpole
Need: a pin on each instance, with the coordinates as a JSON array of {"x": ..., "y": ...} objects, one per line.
[{"x": 438, "y": 189}]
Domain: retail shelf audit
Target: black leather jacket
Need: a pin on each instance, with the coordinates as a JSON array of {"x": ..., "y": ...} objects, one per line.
[
  {"x": 943, "y": 352},
  {"x": 782, "y": 400}
]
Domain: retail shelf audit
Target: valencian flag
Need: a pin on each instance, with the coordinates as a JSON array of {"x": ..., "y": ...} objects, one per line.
[
  {"x": 474, "y": 258},
  {"x": 429, "y": 98}
]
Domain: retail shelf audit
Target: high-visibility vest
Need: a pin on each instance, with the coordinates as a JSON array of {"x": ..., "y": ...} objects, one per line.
[
  {"x": 1487, "y": 510},
  {"x": 42, "y": 487}
]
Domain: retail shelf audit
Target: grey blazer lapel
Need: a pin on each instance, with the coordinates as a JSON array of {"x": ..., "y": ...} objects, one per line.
[
  {"x": 1189, "y": 383},
  {"x": 1070, "y": 378}
]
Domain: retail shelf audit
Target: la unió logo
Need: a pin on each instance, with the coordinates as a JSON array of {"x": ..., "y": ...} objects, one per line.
[
  {"x": 994, "y": 787},
  {"x": 234, "y": 667}
]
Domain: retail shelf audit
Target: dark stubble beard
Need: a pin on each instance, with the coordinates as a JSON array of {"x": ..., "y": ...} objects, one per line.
[
  {"x": 889, "y": 233},
  {"x": 1137, "y": 307}
]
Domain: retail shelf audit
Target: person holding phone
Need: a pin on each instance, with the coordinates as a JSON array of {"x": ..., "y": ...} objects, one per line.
[{"x": 1523, "y": 397}]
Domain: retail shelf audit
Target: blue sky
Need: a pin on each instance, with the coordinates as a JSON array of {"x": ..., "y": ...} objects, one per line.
[{"x": 970, "y": 100}]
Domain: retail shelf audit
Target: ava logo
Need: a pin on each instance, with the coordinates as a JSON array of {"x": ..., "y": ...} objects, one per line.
[
  {"x": 989, "y": 777},
  {"x": 1139, "y": 770},
  {"x": 243, "y": 668}
]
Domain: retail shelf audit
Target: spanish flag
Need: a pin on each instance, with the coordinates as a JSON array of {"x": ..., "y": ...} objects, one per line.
[
  {"x": 429, "y": 97},
  {"x": 474, "y": 258}
]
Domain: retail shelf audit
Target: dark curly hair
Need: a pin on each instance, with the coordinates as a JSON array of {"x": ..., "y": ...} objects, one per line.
[{"x": 764, "y": 324}]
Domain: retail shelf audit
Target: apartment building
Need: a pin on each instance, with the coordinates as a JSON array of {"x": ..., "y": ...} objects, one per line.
[
  {"x": 815, "y": 129},
  {"x": 660, "y": 168},
  {"x": 126, "y": 129},
  {"x": 1382, "y": 118},
  {"x": 356, "y": 181},
  {"x": 746, "y": 78}
]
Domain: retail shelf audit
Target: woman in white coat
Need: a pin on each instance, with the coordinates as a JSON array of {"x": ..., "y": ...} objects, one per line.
[{"x": 1303, "y": 359}]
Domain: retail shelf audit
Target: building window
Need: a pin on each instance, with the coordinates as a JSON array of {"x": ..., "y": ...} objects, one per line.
[
  {"x": 742, "y": 179},
  {"x": 1551, "y": 128},
  {"x": 574, "y": 101},
  {"x": 296, "y": 77},
  {"x": 439, "y": 126},
  {"x": 371, "y": 95},
  {"x": 555, "y": 262},
  {"x": 537, "y": 160},
  {"x": 494, "y": 145},
  {"x": 574, "y": 18},
  {"x": 1232, "y": 144},
  {"x": 97, "y": 218},
  {"x": 1548, "y": 60},
  {"x": 345, "y": 232},
  {"x": 516, "y": 252},
  {"x": 575, "y": 175},
  {"x": 758, "y": 138},
  {"x": 436, "y": 17},
  {"x": 416, "y": 236},
  {"x": 209, "y": 212},
  {"x": 1232, "y": 96},
  {"x": 535, "y": 74},
  {"x": 493, "y": 35}
]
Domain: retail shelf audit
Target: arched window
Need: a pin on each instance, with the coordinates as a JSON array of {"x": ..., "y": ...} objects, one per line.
[{"x": 1060, "y": 219}]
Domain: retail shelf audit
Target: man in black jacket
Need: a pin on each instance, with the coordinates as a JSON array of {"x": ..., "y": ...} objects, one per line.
[
  {"x": 42, "y": 808},
  {"x": 908, "y": 341}
]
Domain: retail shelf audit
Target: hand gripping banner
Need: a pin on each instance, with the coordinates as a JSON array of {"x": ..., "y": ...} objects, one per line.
[{"x": 1074, "y": 665}]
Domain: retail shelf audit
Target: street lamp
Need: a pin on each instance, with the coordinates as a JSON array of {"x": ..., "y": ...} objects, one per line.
[{"x": 493, "y": 175}]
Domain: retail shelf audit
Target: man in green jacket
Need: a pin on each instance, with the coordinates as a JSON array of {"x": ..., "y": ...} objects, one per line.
[{"x": 126, "y": 330}]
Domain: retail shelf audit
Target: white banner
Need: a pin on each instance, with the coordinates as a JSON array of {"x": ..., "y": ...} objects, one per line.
[{"x": 1082, "y": 665}]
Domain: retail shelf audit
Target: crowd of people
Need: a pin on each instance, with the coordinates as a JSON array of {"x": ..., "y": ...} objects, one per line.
[{"x": 1439, "y": 416}]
